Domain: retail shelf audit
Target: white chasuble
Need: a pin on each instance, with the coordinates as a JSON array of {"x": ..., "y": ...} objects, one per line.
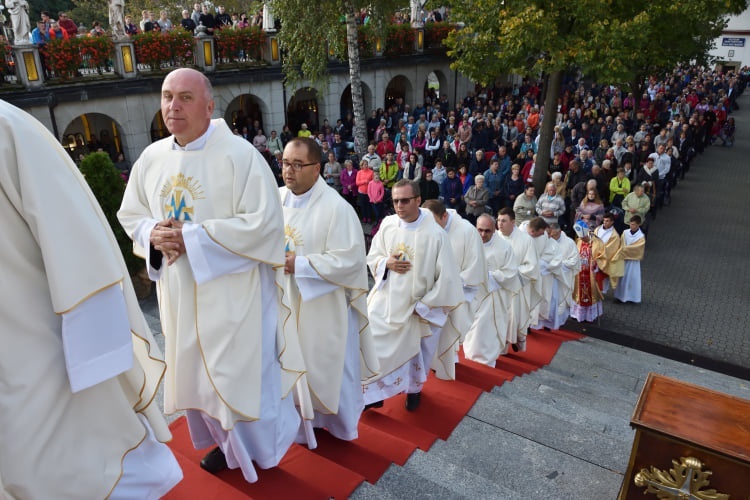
[
  {"x": 213, "y": 327},
  {"x": 525, "y": 258},
  {"x": 550, "y": 269},
  {"x": 493, "y": 323},
  {"x": 58, "y": 254},
  {"x": 466, "y": 245},
  {"x": 571, "y": 264},
  {"x": 432, "y": 287},
  {"x": 330, "y": 280}
]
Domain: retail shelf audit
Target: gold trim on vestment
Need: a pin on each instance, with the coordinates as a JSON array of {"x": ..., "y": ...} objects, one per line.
[
  {"x": 329, "y": 281},
  {"x": 122, "y": 461},
  {"x": 283, "y": 335},
  {"x": 87, "y": 297},
  {"x": 205, "y": 366},
  {"x": 272, "y": 264},
  {"x": 143, "y": 386},
  {"x": 362, "y": 358}
]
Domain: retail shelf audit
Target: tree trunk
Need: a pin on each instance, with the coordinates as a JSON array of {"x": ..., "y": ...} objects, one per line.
[
  {"x": 358, "y": 101},
  {"x": 552, "y": 90}
]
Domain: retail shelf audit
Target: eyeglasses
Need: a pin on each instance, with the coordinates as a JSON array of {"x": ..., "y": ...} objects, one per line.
[
  {"x": 403, "y": 201},
  {"x": 297, "y": 166}
]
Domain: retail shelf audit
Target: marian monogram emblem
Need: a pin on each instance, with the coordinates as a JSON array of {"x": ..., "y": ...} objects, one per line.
[
  {"x": 179, "y": 194},
  {"x": 404, "y": 251},
  {"x": 292, "y": 240}
]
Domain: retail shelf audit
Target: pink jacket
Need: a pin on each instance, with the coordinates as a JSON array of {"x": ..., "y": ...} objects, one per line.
[{"x": 376, "y": 191}]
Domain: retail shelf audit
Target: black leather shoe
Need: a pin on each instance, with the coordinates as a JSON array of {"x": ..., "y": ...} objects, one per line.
[
  {"x": 413, "y": 400},
  {"x": 515, "y": 347},
  {"x": 376, "y": 404},
  {"x": 214, "y": 461}
]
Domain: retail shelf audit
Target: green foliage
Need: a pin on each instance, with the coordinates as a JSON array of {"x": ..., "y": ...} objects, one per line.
[
  {"x": 609, "y": 41},
  {"x": 108, "y": 187},
  {"x": 307, "y": 39},
  {"x": 51, "y": 6}
]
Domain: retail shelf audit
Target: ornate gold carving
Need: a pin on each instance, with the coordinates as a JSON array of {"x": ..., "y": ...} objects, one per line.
[{"x": 684, "y": 481}]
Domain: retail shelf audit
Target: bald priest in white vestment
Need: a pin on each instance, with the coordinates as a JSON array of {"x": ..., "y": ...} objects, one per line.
[
  {"x": 325, "y": 284},
  {"x": 78, "y": 365},
  {"x": 469, "y": 257},
  {"x": 489, "y": 332},
  {"x": 203, "y": 208},
  {"x": 417, "y": 287}
]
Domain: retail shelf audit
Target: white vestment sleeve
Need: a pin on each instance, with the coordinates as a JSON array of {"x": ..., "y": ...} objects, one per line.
[
  {"x": 470, "y": 292},
  {"x": 142, "y": 237},
  {"x": 492, "y": 283},
  {"x": 380, "y": 274},
  {"x": 96, "y": 339},
  {"x": 435, "y": 315},
  {"x": 310, "y": 284},
  {"x": 209, "y": 260}
]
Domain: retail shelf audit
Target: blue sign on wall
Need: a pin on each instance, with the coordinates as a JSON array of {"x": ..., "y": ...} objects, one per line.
[{"x": 729, "y": 41}]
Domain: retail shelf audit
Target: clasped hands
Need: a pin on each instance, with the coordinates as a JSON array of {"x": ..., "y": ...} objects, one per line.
[
  {"x": 397, "y": 265},
  {"x": 166, "y": 237}
]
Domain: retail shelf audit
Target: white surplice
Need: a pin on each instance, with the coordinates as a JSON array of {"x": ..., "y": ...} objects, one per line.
[
  {"x": 550, "y": 271},
  {"x": 327, "y": 298},
  {"x": 563, "y": 291},
  {"x": 631, "y": 252},
  {"x": 79, "y": 366},
  {"x": 525, "y": 259},
  {"x": 226, "y": 362},
  {"x": 407, "y": 311},
  {"x": 492, "y": 323},
  {"x": 466, "y": 245}
]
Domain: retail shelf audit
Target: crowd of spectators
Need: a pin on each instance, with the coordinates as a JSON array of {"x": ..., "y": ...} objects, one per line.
[{"x": 611, "y": 152}]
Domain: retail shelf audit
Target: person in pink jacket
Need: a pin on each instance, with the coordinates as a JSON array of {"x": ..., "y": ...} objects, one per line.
[
  {"x": 376, "y": 192},
  {"x": 364, "y": 176},
  {"x": 348, "y": 179}
]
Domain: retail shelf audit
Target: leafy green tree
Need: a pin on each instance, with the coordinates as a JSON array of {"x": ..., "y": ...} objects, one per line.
[
  {"x": 614, "y": 42},
  {"x": 108, "y": 187},
  {"x": 308, "y": 34}
]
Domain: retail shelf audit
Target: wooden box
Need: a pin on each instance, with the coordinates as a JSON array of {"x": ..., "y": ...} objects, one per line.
[{"x": 688, "y": 440}]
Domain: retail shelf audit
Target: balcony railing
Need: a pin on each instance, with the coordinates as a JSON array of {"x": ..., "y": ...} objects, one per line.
[{"x": 90, "y": 58}]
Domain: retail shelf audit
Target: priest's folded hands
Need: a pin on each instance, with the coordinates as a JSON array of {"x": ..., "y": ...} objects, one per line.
[
  {"x": 167, "y": 238},
  {"x": 396, "y": 264}
]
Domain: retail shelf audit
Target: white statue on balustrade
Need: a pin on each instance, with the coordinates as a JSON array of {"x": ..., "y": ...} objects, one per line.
[{"x": 19, "y": 18}]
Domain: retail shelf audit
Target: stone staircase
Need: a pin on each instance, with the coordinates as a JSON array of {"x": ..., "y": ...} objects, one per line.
[{"x": 561, "y": 432}]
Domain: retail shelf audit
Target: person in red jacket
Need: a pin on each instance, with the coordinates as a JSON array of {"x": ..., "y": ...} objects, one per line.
[{"x": 67, "y": 24}]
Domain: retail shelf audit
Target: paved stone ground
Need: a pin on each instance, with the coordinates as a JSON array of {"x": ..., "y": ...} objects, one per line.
[{"x": 696, "y": 284}]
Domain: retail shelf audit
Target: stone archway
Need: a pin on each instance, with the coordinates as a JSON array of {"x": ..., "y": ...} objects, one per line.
[
  {"x": 158, "y": 128},
  {"x": 304, "y": 107},
  {"x": 246, "y": 110},
  {"x": 90, "y": 132},
  {"x": 435, "y": 85},
  {"x": 399, "y": 88}
]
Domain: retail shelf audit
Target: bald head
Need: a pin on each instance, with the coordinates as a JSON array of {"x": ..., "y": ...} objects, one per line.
[
  {"x": 486, "y": 227},
  {"x": 186, "y": 104}
]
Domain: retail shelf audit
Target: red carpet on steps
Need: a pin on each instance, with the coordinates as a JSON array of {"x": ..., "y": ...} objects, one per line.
[{"x": 386, "y": 435}]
